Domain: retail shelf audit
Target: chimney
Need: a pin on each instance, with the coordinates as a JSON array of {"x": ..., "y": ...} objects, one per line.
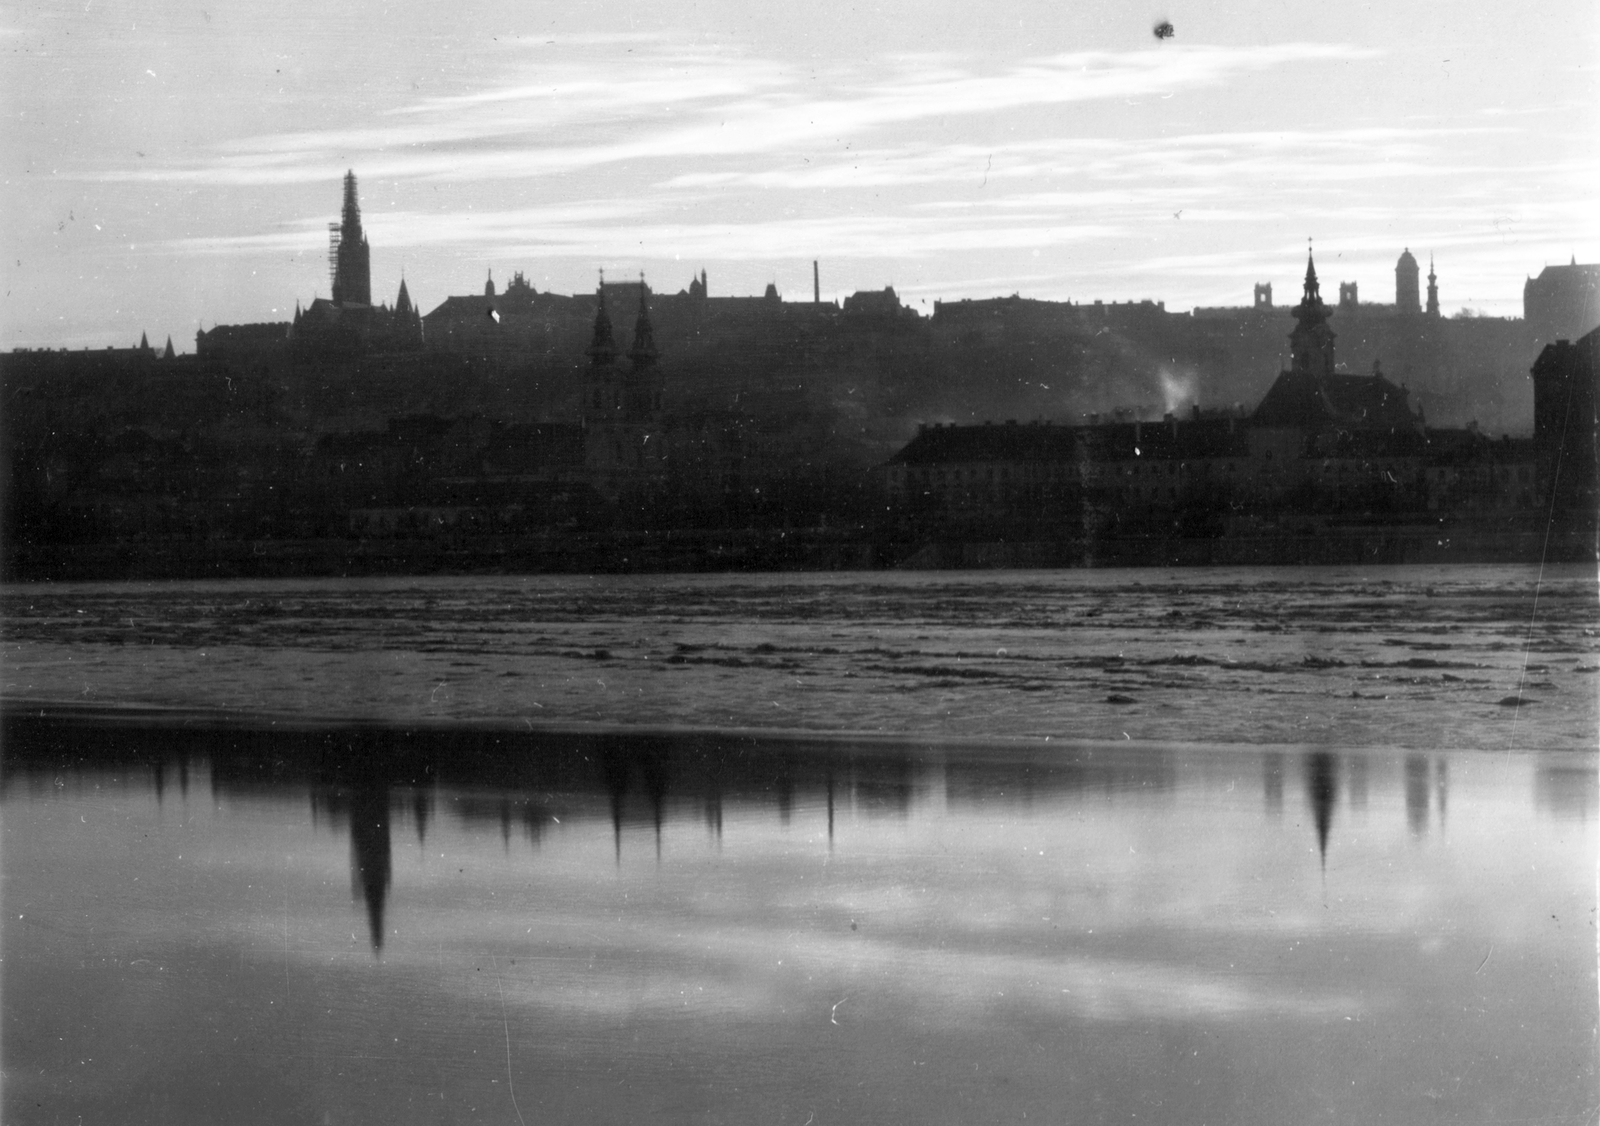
[
  {"x": 816, "y": 284},
  {"x": 1196, "y": 413},
  {"x": 1172, "y": 421}
]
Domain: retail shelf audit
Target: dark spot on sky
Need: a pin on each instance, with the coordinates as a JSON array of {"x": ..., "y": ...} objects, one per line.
[{"x": 1164, "y": 30}]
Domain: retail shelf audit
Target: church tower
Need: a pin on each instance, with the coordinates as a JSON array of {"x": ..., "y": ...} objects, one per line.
[
  {"x": 644, "y": 391},
  {"x": 1311, "y": 342},
  {"x": 621, "y": 402},
  {"x": 1433, "y": 291},
  {"x": 350, "y": 259}
]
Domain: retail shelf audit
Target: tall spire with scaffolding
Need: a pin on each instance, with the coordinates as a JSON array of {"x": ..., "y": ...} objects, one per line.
[{"x": 349, "y": 258}]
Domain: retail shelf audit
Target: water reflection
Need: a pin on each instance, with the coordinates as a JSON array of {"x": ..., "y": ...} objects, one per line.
[
  {"x": 1417, "y": 794},
  {"x": 498, "y": 782},
  {"x": 1272, "y": 782},
  {"x": 1358, "y": 782},
  {"x": 369, "y": 852},
  {"x": 1323, "y": 787},
  {"x": 1144, "y": 913}
]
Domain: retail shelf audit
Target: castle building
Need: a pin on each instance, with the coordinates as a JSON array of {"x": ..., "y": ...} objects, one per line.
[
  {"x": 1563, "y": 302},
  {"x": 1566, "y": 434}
]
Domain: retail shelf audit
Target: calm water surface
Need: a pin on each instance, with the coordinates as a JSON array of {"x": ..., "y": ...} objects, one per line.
[{"x": 1310, "y": 867}]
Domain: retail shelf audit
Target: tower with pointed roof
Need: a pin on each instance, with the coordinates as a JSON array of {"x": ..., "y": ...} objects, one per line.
[
  {"x": 351, "y": 259},
  {"x": 622, "y": 398},
  {"x": 643, "y": 351},
  {"x": 1313, "y": 397},
  {"x": 1433, "y": 290},
  {"x": 1311, "y": 342}
]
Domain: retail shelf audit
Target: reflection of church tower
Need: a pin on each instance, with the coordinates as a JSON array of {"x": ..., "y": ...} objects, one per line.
[
  {"x": 1433, "y": 290},
  {"x": 369, "y": 853},
  {"x": 350, "y": 264},
  {"x": 1441, "y": 787},
  {"x": 1405, "y": 284},
  {"x": 1311, "y": 342},
  {"x": 1417, "y": 794},
  {"x": 1272, "y": 782},
  {"x": 1322, "y": 785}
]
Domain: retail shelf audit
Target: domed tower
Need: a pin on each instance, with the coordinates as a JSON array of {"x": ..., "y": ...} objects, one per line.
[
  {"x": 1433, "y": 290},
  {"x": 1406, "y": 300},
  {"x": 1311, "y": 342}
]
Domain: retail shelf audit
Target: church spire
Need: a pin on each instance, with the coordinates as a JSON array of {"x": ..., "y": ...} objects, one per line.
[
  {"x": 603, "y": 348},
  {"x": 643, "y": 352},
  {"x": 1311, "y": 342},
  {"x": 352, "y": 259},
  {"x": 1433, "y": 290}
]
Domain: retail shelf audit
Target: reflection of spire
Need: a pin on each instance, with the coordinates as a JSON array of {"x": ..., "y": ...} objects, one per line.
[
  {"x": 369, "y": 852},
  {"x": 158, "y": 769},
  {"x": 1358, "y": 782},
  {"x": 1323, "y": 784},
  {"x": 714, "y": 808},
  {"x": 614, "y": 769},
  {"x": 421, "y": 807},
  {"x": 785, "y": 795},
  {"x": 1272, "y": 781},
  {"x": 654, "y": 765},
  {"x": 1441, "y": 785},
  {"x": 1417, "y": 794},
  {"x": 830, "y": 809}
]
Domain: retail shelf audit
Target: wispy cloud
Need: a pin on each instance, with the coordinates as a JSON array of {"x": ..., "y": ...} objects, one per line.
[
  {"x": 621, "y": 230},
  {"x": 673, "y": 105}
]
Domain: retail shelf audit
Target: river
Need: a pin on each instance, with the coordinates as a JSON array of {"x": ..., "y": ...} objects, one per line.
[{"x": 1225, "y": 847}]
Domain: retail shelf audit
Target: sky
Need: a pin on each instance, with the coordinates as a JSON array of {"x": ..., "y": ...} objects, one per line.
[{"x": 172, "y": 166}]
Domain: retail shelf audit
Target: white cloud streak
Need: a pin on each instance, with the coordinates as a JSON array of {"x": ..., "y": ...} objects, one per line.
[{"x": 673, "y": 106}]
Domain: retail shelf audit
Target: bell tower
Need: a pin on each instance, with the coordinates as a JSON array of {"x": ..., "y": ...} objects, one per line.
[
  {"x": 622, "y": 439},
  {"x": 1311, "y": 342}
]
